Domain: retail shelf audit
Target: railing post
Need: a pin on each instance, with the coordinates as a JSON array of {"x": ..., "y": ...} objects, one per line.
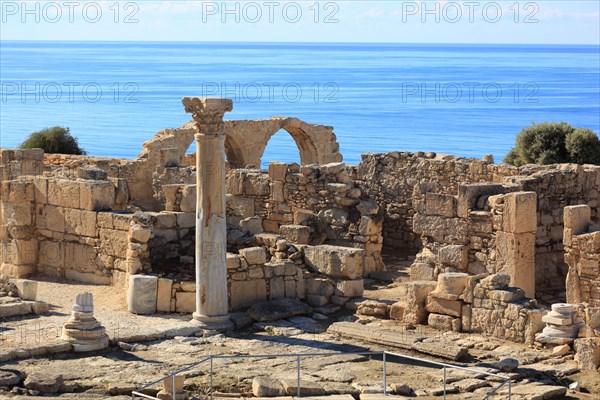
[
  {"x": 384, "y": 375},
  {"x": 298, "y": 367},
  {"x": 174, "y": 388},
  {"x": 444, "y": 382},
  {"x": 211, "y": 378},
  {"x": 509, "y": 389}
]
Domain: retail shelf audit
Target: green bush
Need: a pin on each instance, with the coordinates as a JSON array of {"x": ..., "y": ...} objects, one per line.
[
  {"x": 583, "y": 146},
  {"x": 53, "y": 140},
  {"x": 554, "y": 142}
]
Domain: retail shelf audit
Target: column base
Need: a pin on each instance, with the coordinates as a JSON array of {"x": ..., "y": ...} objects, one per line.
[{"x": 219, "y": 323}]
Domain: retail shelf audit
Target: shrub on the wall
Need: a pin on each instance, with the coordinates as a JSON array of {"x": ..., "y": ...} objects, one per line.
[{"x": 53, "y": 140}]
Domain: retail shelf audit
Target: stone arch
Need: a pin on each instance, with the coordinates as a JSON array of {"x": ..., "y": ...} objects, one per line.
[
  {"x": 245, "y": 144},
  {"x": 248, "y": 139}
]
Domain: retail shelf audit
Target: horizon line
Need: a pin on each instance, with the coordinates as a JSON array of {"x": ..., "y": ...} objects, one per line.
[{"x": 300, "y": 42}]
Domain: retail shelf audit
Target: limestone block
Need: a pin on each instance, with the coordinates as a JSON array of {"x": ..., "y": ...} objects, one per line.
[
  {"x": 397, "y": 310},
  {"x": 368, "y": 207},
  {"x": 87, "y": 277},
  {"x": 300, "y": 284},
  {"x": 297, "y": 234},
  {"x": 170, "y": 195},
  {"x": 167, "y": 392},
  {"x": 27, "y": 289},
  {"x": 277, "y": 194},
  {"x": 415, "y": 295},
  {"x": 577, "y": 218},
  {"x": 290, "y": 288},
  {"x": 454, "y": 255},
  {"x": 142, "y": 294},
  {"x": 335, "y": 261},
  {"x": 163, "y": 297},
  {"x": 97, "y": 195},
  {"x": 515, "y": 256},
  {"x": 370, "y": 225},
  {"x": 55, "y": 218},
  {"x": 245, "y": 293},
  {"x": 80, "y": 222},
  {"x": 186, "y": 219},
  {"x": 468, "y": 195},
  {"x": 44, "y": 383},
  {"x": 350, "y": 288},
  {"x": 263, "y": 386},
  {"x": 140, "y": 234},
  {"x": 166, "y": 220},
  {"x": 188, "y": 286},
  {"x": 185, "y": 302},
  {"x": 440, "y": 204},
  {"x": 520, "y": 212},
  {"x": 444, "y": 323},
  {"x": 114, "y": 243},
  {"x": 277, "y": 171},
  {"x": 252, "y": 225},
  {"x": 339, "y": 300},
  {"x": 40, "y": 186},
  {"x": 303, "y": 216},
  {"x": 443, "y": 306},
  {"x": 233, "y": 261},
  {"x": 441, "y": 228},
  {"x": 276, "y": 288},
  {"x": 64, "y": 193},
  {"x": 51, "y": 254},
  {"x": 422, "y": 272},
  {"x": 256, "y": 185},
  {"x": 17, "y": 214},
  {"x": 588, "y": 353},
  {"x": 188, "y": 199},
  {"x": 80, "y": 257},
  {"x": 18, "y": 252},
  {"x": 241, "y": 206},
  {"x": 316, "y": 300},
  {"x": 19, "y": 191},
  {"x": 373, "y": 308},
  {"x": 254, "y": 255},
  {"x": 122, "y": 221},
  {"x": 451, "y": 285},
  {"x": 319, "y": 287}
]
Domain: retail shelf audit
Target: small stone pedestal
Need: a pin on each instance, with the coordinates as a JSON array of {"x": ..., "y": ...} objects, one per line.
[
  {"x": 82, "y": 330},
  {"x": 562, "y": 325},
  {"x": 167, "y": 392}
]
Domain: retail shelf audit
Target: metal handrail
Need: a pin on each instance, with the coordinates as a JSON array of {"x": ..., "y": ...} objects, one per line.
[{"x": 506, "y": 380}]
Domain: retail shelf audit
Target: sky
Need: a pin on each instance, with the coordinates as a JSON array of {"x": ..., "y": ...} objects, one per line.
[{"x": 392, "y": 21}]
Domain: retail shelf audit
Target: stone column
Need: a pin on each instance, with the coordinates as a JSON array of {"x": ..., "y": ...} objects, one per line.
[{"x": 211, "y": 230}]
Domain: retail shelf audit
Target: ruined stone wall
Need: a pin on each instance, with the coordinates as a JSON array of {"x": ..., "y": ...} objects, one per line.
[
  {"x": 582, "y": 255},
  {"x": 68, "y": 228},
  {"x": 480, "y": 303},
  {"x": 390, "y": 179},
  {"x": 325, "y": 199},
  {"x": 493, "y": 307},
  {"x": 557, "y": 186},
  {"x": 272, "y": 269},
  {"x": 486, "y": 228}
]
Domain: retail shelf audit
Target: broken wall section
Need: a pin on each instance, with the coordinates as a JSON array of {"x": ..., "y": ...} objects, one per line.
[
  {"x": 582, "y": 255},
  {"x": 486, "y": 228},
  {"x": 307, "y": 205}
]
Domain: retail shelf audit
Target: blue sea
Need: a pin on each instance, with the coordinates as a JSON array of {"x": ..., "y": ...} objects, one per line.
[{"x": 467, "y": 100}]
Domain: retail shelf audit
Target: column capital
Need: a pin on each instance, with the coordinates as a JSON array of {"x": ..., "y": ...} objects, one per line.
[{"x": 208, "y": 113}]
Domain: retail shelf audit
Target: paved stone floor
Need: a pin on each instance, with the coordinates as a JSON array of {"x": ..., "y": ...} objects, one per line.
[{"x": 159, "y": 345}]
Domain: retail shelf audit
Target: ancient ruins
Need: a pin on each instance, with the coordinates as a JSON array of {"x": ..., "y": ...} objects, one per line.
[{"x": 194, "y": 227}]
